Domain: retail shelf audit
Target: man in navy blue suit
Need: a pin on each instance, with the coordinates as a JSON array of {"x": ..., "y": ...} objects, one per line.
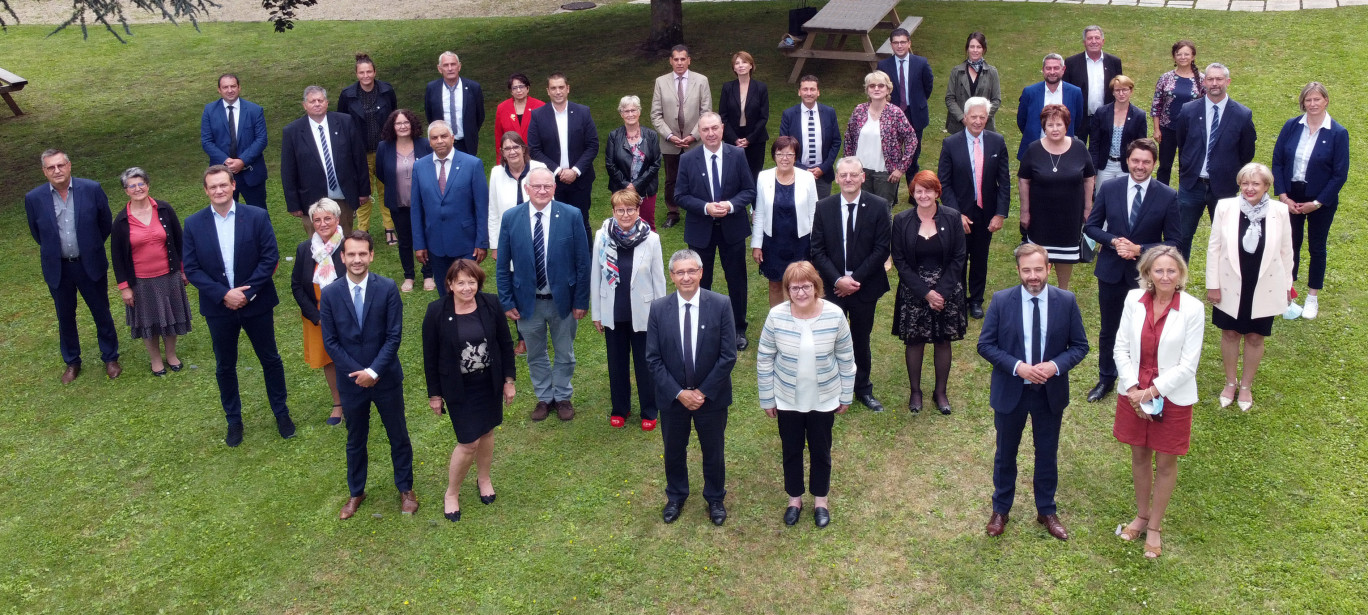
[
  {"x": 233, "y": 134},
  {"x": 449, "y": 205},
  {"x": 562, "y": 136},
  {"x": 1052, "y": 90},
  {"x": 363, "y": 323},
  {"x": 1132, "y": 214},
  {"x": 716, "y": 189},
  {"x": 973, "y": 170},
  {"x": 457, "y": 101},
  {"x": 543, "y": 280},
  {"x": 1215, "y": 140},
  {"x": 814, "y": 125},
  {"x": 691, "y": 353},
  {"x": 912, "y": 85},
  {"x": 1033, "y": 335},
  {"x": 323, "y": 154},
  {"x": 229, "y": 254},
  {"x": 69, "y": 218}
]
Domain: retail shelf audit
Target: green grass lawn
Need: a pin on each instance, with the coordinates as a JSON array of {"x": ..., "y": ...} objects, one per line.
[{"x": 121, "y": 497}]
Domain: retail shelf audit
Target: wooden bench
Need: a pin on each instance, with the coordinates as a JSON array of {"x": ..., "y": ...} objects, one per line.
[
  {"x": 10, "y": 82},
  {"x": 910, "y": 24}
]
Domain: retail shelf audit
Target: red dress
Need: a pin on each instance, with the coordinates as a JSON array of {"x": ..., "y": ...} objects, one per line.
[{"x": 1172, "y": 434}]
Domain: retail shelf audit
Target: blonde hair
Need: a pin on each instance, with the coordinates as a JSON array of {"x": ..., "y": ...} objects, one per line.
[{"x": 1146, "y": 265}]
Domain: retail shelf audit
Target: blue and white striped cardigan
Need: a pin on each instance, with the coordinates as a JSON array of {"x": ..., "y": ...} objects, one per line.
[{"x": 776, "y": 360}]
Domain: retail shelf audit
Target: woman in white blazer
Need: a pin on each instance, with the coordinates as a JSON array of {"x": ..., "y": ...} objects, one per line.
[
  {"x": 785, "y": 201},
  {"x": 1248, "y": 276},
  {"x": 629, "y": 273},
  {"x": 1158, "y": 347}
]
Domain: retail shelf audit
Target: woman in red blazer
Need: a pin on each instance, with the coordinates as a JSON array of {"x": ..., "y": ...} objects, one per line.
[{"x": 515, "y": 113}]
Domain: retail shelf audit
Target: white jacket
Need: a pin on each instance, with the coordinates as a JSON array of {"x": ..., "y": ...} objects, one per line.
[
  {"x": 1223, "y": 259},
  {"x": 647, "y": 283},
  {"x": 804, "y": 199},
  {"x": 503, "y": 196},
  {"x": 1180, "y": 348}
]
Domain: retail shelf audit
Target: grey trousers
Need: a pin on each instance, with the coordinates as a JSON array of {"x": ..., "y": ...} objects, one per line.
[{"x": 550, "y": 382}]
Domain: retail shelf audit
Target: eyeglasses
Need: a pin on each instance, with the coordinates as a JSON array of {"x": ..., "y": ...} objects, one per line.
[
  {"x": 403, "y": 123},
  {"x": 801, "y": 289},
  {"x": 689, "y": 272},
  {"x": 874, "y": 86},
  {"x": 512, "y": 148},
  {"x": 518, "y": 86},
  {"x": 778, "y": 155},
  {"x": 137, "y": 186},
  {"x": 625, "y": 212},
  {"x": 541, "y": 187}
]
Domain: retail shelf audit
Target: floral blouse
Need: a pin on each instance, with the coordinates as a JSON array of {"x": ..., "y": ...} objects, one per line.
[
  {"x": 899, "y": 140},
  {"x": 1163, "y": 95}
]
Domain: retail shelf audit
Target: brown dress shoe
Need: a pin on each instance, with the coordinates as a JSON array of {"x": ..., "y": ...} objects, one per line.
[
  {"x": 996, "y": 524},
  {"x": 350, "y": 507},
  {"x": 565, "y": 410},
  {"x": 541, "y": 411},
  {"x": 72, "y": 371},
  {"x": 1052, "y": 524},
  {"x": 112, "y": 369},
  {"x": 408, "y": 502}
]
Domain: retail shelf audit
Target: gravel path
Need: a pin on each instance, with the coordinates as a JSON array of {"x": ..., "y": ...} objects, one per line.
[{"x": 56, "y": 11}]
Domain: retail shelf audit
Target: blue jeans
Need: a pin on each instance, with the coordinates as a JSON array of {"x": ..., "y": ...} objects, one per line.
[{"x": 550, "y": 383}]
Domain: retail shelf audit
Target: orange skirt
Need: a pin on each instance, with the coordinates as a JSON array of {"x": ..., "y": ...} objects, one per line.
[{"x": 314, "y": 354}]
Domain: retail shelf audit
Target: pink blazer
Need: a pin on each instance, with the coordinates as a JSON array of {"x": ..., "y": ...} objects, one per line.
[{"x": 1223, "y": 259}]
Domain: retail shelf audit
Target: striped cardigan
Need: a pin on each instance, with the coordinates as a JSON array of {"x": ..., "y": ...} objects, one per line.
[{"x": 776, "y": 360}]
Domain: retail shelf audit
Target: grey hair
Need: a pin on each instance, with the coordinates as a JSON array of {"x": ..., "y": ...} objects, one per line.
[
  {"x": 1052, "y": 56},
  {"x": 50, "y": 152},
  {"x": 849, "y": 160},
  {"x": 315, "y": 89},
  {"x": 448, "y": 53},
  {"x": 978, "y": 101},
  {"x": 1225, "y": 72},
  {"x": 325, "y": 204},
  {"x": 439, "y": 124},
  {"x": 628, "y": 101},
  {"x": 710, "y": 115},
  {"x": 685, "y": 255},
  {"x": 1092, "y": 28},
  {"x": 130, "y": 174},
  {"x": 1255, "y": 170},
  {"x": 538, "y": 171}
]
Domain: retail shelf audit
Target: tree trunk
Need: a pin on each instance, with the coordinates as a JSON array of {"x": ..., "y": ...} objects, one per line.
[{"x": 667, "y": 25}]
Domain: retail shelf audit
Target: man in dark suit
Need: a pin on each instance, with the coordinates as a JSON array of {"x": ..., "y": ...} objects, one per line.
[
  {"x": 1052, "y": 90},
  {"x": 912, "y": 85},
  {"x": 716, "y": 189},
  {"x": 814, "y": 125},
  {"x": 1033, "y": 335},
  {"x": 1132, "y": 214},
  {"x": 690, "y": 351},
  {"x": 458, "y": 102},
  {"x": 1092, "y": 71},
  {"x": 323, "y": 154},
  {"x": 543, "y": 280},
  {"x": 237, "y": 297},
  {"x": 449, "y": 205},
  {"x": 851, "y": 262},
  {"x": 973, "y": 170},
  {"x": 69, "y": 218},
  {"x": 1215, "y": 140},
  {"x": 571, "y": 158},
  {"x": 233, "y": 134},
  {"x": 362, "y": 323}
]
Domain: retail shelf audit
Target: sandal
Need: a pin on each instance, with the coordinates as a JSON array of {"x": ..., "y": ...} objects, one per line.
[
  {"x": 1152, "y": 551},
  {"x": 1226, "y": 401},
  {"x": 1128, "y": 533},
  {"x": 391, "y": 238}
]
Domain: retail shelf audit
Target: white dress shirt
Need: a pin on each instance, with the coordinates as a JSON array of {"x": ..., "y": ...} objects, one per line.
[
  {"x": 351, "y": 292},
  {"x": 454, "y": 122},
  {"x": 335, "y": 195},
  {"x": 1304, "y": 147},
  {"x": 236, "y": 106},
  {"x": 721, "y": 173},
  {"x": 1097, "y": 84},
  {"x": 437, "y": 165},
  {"x": 1026, "y": 333},
  {"x": 811, "y": 114},
  {"x": 563, "y": 136},
  {"x": 1130, "y": 194}
]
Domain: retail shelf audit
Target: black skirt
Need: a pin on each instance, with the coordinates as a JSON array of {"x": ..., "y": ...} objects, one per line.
[
  {"x": 160, "y": 307},
  {"x": 479, "y": 411}
]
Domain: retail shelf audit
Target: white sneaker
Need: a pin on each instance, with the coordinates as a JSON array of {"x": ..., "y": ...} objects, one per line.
[
  {"x": 1293, "y": 312},
  {"x": 1312, "y": 307}
]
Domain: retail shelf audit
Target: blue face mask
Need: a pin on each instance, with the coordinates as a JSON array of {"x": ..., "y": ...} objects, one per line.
[{"x": 1154, "y": 407}]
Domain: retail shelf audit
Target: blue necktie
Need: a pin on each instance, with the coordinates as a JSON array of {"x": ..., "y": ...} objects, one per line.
[
  {"x": 333, "y": 186},
  {"x": 539, "y": 250},
  {"x": 359, "y": 302},
  {"x": 716, "y": 179},
  {"x": 1035, "y": 330},
  {"x": 1215, "y": 125},
  {"x": 1135, "y": 208}
]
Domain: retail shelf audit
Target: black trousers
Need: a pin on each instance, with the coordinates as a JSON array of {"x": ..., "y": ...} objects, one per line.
[
  {"x": 671, "y": 173},
  {"x": 733, "y": 257},
  {"x": 626, "y": 350},
  {"x": 710, "y": 422},
  {"x": 755, "y": 158},
  {"x": 977, "y": 244},
  {"x": 403, "y": 227},
  {"x": 1168, "y": 149},
  {"x": 1319, "y": 231},
  {"x": 579, "y": 194},
  {"x": 814, "y": 428},
  {"x": 861, "y": 315},
  {"x": 1111, "y": 301},
  {"x": 389, "y": 403},
  {"x": 912, "y": 168},
  {"x": 96, "y": 295},
  {"x": 1044, "y": 433},
  {"x": 260, "y": 330}
]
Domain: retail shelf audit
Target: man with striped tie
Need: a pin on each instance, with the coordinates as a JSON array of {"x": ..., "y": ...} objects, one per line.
[
  {"x": 323, "y": 155},
  {"x": 814, "y": 125},
  {"x": 1215, "y": 140}
]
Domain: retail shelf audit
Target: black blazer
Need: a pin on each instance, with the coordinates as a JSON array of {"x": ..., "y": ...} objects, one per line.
[
  {"x": 617, "y": 159},
  {"x": 1100, "y": 133},
  {"x": 714, "y": 357},
  {"x": 956, "y": 174},
  {"x": 442, "y": 349},
  {"x": 301, "y": 278},
  {"x": 951, "y": 231},
  {"x": 121, "y": 249},
  {"x": 1076, "y": 73},
  {"x": 1158, "y": 224},
  {"x": 385, "y": 167},
  {"x": 581, "y": 137},
  {"x": 756, "y": 112},
  {"x": 349, "y": 102},
  {"x": 873, "y": 231},
  {"x": 472, "y": 110},
  {"x": 301, "y": 170}
]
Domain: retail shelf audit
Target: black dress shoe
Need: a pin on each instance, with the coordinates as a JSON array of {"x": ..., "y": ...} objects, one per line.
[
  {"x": 976, "y": 311},
  {"x": 671, "y": 220},
  {"x": 741, "y": 343},
  {"x": 175, "y": 367},
  {"x": 791, "y": 514},
  {"x": 944, "y": 408},
  {"x": 285, "y": 426},
  {"x": 821, "y": 516},
  {"x": 234, "y": 436},
  {"x": 1100, "y": 391},
  {"x": 868, "y": 400},
  {"x": 671, "y": 511},
  {"x": 488, "y": 499},
  {"x": 452, "y": 516},
  {"x": 717, "y": 512},
  {"x": 914, "y": 402}
]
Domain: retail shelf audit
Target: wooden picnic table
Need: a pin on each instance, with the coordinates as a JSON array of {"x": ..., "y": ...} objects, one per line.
[
  {"x": 10, "y": 82},
  {"x": 838, "y": 21}
]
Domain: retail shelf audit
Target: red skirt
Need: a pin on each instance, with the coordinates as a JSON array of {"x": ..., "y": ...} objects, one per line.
[{"x": 1170, "y": 436}]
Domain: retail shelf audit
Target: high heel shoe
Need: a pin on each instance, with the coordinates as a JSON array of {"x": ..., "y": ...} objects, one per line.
[
  {"x": 1226, "y": 401},
  {"x": 452, "y": 516},
  {"x": 333, "y": 420},
  {"x": 488, "y": 499},
  {"x": 1246, "y": 405},
  {"x": 1153, "y": 551},
  {"x": 1128, "y": 533}
]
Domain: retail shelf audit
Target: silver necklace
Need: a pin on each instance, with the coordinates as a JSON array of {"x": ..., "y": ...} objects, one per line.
[{"x": 1054, "y": 162}]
